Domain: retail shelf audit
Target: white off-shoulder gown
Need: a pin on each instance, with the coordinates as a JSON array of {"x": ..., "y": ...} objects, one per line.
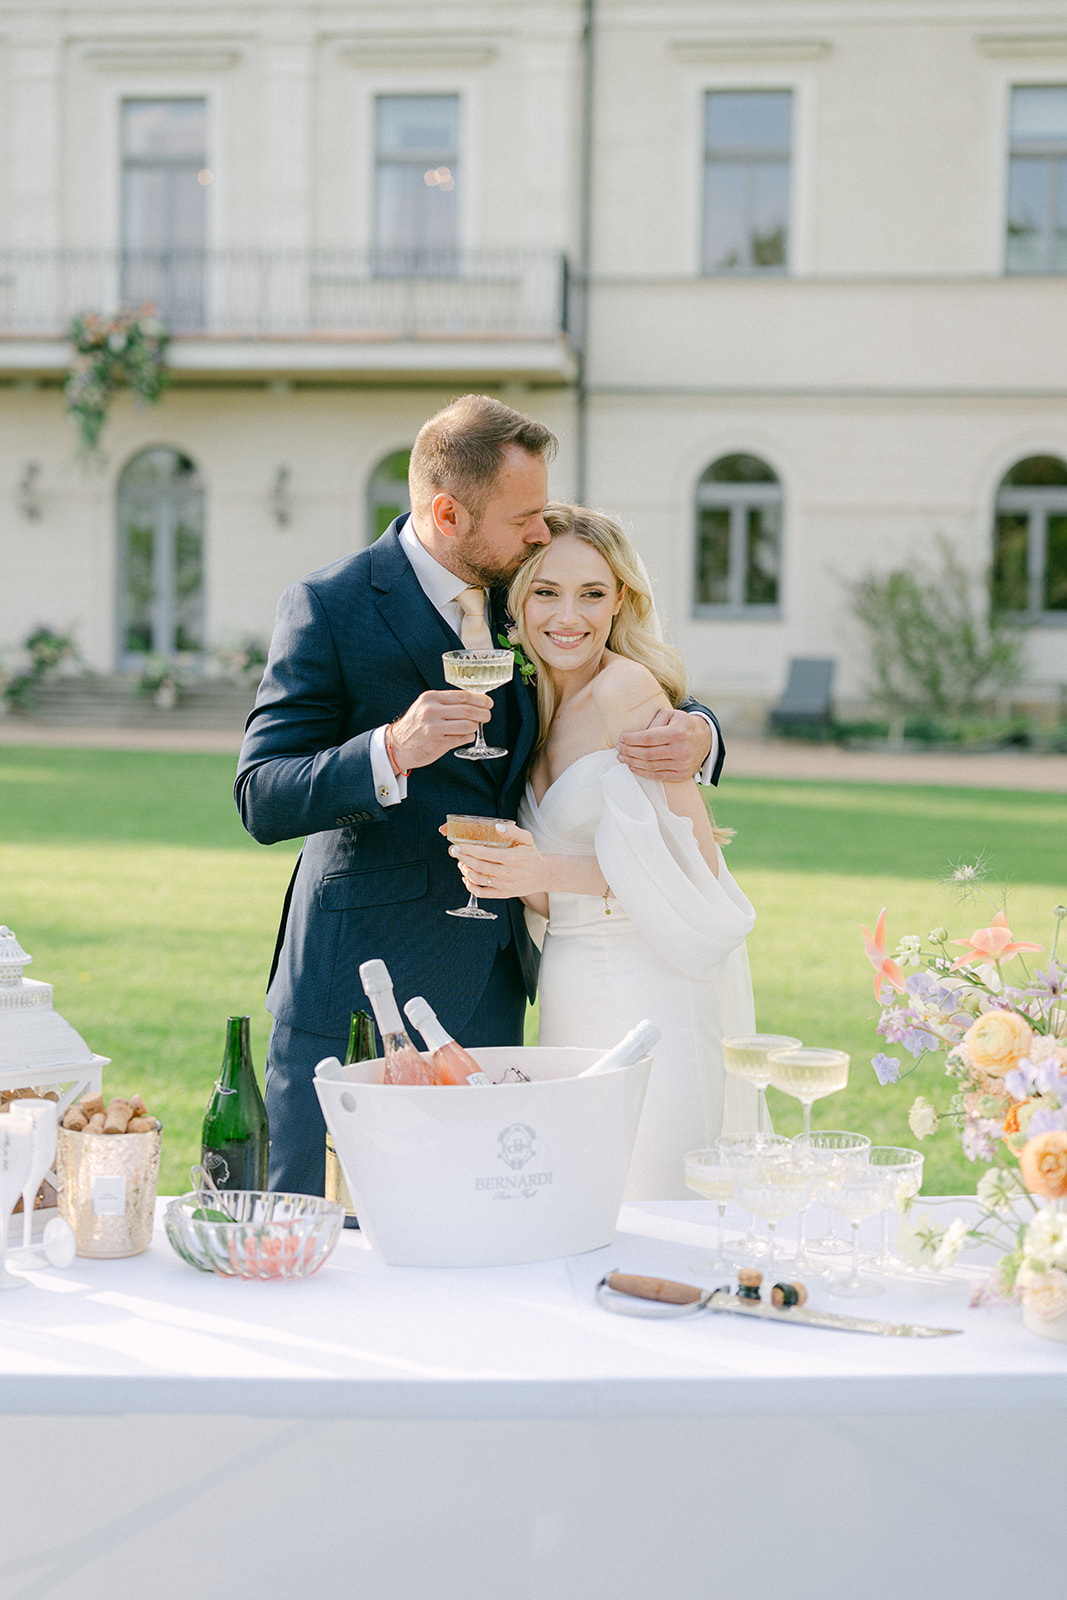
[{"x": 672, "y": 949}]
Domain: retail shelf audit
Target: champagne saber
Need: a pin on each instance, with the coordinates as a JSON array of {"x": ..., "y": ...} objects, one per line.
[{"x": 683, "y": 1300}]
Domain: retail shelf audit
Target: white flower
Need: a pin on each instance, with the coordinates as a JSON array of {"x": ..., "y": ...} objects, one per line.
[
  {"x": 916, "y": 1241},
  {"x": 998, "y": 1190},
  {"x": 1046, "y": 1239},
  {"x": 952, "y": 1242},
  {"x": 923, "y": 1118},
  {"x": 909, "y": 949},
  {"x": 937, "y": 935}
]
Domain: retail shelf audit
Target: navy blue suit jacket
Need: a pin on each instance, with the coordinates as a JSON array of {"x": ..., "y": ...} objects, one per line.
[{"x": 353, "y": 646}]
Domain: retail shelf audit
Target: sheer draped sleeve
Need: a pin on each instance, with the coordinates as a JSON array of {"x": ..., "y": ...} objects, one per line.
[{"x": 650, "y": 858}]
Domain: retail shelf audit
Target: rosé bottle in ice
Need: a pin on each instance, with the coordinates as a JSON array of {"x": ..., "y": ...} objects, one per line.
[
  {"x": 403, "y": 1063},
  {"x": 451, "y": 1062}
]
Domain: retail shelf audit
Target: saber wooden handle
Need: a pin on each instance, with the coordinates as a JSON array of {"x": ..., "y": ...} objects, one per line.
[{"x": 677, "y": 1294}]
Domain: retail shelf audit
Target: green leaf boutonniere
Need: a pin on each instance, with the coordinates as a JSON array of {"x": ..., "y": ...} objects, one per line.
[{"x": 524, "y": 666}]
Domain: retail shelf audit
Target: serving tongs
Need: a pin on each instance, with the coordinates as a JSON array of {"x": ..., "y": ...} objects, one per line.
[{"x": 632, "y": 1296}]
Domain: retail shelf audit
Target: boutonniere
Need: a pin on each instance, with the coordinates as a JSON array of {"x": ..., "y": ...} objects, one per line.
[{"x": 523, "y": 665}]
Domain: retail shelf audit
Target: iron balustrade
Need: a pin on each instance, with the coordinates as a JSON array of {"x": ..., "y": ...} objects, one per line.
[{"x": 263, "y": 294}]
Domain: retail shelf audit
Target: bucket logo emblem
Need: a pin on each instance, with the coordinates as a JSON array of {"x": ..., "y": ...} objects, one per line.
[{"x": 516, "y": 1143}]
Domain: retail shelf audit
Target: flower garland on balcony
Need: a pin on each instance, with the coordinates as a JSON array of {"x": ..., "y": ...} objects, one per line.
[{"x": 128, "y": 351}]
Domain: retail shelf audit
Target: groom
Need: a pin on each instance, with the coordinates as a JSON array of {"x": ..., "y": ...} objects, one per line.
[{"x": 351, "y": 745}]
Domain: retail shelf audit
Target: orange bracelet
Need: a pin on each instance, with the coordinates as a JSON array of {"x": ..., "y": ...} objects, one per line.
[{"x": 389, "y": 752}]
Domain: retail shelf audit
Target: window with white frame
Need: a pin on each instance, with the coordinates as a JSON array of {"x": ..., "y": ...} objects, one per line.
[
  {"x": 738, "y": 538},
  {"x": 747, "y": 152},
  {"x": 160, "y": 515},
  {"x": 416, "y": 227},
  {"x": 164, "y": 165},
  {"x": 1030, "y": 541},
  {"x": 387, "y": 493},
  {"x": 1037, "y": 180}
]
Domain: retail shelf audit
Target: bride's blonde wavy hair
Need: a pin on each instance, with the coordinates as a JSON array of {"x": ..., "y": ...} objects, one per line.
[{"x": 632, "y": 631}]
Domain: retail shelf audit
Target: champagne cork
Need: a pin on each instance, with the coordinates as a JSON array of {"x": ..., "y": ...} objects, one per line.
[
  {"x": 748, "y": 1283},
  {"x": 96, "y": 1123},
  {"x": 144, "y": 1124},
  {"x": 93, "y": 1103},
  {"x": 75, "y": 1119},
  {"x": 784, "y": 1295},
  {"x": 117, "y": 1116}
]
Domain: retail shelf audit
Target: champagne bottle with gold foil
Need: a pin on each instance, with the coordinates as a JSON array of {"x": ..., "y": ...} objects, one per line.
[{"x": 235, "y": 1143}]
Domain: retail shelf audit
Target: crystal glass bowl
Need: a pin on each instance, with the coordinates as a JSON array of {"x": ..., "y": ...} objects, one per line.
[{"x": 271, "y": 1235}]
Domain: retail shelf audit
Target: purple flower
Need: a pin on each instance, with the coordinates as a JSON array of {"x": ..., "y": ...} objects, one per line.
[
  {"x": 980, "y": 1138},
  {"x": 1020, "y": 1080},
  {"x": 923, "y": 984},
  {"x": 1048, "y": 985},
  {"x": 1049, "y": 1077},
  {"x": 886, "y": 1068},
  {"x": 1046, "y": 1122},
  {"x": 918, "y": 1041}
]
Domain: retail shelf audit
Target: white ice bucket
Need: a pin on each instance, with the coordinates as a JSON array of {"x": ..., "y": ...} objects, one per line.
[{"x": 458, "y": 1177}]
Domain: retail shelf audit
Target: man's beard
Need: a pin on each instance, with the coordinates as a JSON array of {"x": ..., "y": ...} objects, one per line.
[{"x": 484, "y": 568}]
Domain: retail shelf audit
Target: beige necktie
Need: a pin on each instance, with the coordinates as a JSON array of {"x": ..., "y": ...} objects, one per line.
[{"x": 473, "y": 628}]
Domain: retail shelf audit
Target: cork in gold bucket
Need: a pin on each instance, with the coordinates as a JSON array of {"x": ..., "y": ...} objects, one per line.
[{"x": 107, "y": 1189}]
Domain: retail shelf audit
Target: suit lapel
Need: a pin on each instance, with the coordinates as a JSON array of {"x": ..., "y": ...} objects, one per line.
[{"x": 406, "y": 611}]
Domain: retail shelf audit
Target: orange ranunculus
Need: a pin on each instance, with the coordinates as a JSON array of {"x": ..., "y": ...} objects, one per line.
[
  {"x": 1043, "y": 1165},
  {"x": 996, "y": 1040},
  {"x": 992, "y": 944},
  {"x": 1011, "y": 1121},
  {"x": 885, "y": 968}
]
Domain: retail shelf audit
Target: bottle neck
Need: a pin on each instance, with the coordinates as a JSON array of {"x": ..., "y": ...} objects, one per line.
[
  {"x": 237, "y": 1054},
  {"x": 432, "y": 1031},
  {"x": 386, "y": 1013},
  {"x": 361, "y": 1045}
]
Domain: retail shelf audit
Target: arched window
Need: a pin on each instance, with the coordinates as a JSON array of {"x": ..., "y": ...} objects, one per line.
[
  {"x": 387, "y": 493},
  {"x": 160, "y": 506},
  {"x": 738, "y": 538},
  {"x": 1030, "y": 539}
]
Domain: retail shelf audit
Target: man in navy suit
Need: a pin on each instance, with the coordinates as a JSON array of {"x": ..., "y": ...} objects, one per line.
[{"x": 351, "y": 746}]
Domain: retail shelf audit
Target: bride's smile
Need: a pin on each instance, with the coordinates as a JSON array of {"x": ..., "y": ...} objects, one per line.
[{"x": 570, "y": 608}]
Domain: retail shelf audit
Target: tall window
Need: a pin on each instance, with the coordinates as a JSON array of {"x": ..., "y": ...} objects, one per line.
[
  {"x": 1037, "y": 181},
  {"x": 387, "y": 493},
  {"x": 163, "y": 204},
  {"x": 747, "y": 140},
  {"x": 1030, "y": 540},
  {"x": 161, "y": 555},
  {"x": 739, "y": 538},
  {"x": 417, "y": 141}
]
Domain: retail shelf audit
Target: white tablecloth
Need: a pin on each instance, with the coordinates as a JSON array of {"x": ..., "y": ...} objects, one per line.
[{"x": 495, "y": 1435}]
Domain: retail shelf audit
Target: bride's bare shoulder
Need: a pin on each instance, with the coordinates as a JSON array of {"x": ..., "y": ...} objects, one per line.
[{"x": 626, "y": 695}]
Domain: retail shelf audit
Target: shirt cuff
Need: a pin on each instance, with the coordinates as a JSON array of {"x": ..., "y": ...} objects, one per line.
[
  {"x": 704, "y": 775},
  {"x": 389, "y": 790}
]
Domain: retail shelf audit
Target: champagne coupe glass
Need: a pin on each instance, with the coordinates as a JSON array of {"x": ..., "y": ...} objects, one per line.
[
  {"x": 482, "y": 670},
  {"x": 474, "y": 830},
  {"x": 904, "y": 1170},
  {"x": 707, "y": 1175},
  {"x": 808, "y": 1074},
  {"x": 43, "y": 1114},
  {"x": 746, "y": 1057},
  {"x": 16, "y": 1153},
  {"x": 855, "y": 1193},
  {"x": 833, "y": 1147},
  {"x": 774, "y": 1190},
  {"x": 741, "y": 1151}
]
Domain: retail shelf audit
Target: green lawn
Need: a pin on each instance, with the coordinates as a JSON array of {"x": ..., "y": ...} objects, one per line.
[{"x": 132, "y": 883}]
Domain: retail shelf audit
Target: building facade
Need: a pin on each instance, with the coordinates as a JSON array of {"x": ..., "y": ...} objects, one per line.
[{"x": 785, "y": 276}]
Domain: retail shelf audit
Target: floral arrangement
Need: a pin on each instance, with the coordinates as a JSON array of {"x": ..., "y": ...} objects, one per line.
[
  {"x": 1002, "y": 1028},
  {"x": 163, "y": 677},
  {"x": 45, "y": 652},
  {"x": 126, "y": 350},
  {"x": 245, "y": 661}
]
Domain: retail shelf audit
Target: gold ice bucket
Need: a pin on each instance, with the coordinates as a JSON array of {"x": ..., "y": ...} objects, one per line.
[{"x": 107, "y": 1189}]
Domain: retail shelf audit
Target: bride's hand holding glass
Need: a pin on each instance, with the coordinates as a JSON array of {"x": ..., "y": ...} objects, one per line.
[{"x": 495, "y": 874}]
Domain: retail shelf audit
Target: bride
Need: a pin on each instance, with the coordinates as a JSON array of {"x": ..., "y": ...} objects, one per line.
[{"x": 622, "y": 875}]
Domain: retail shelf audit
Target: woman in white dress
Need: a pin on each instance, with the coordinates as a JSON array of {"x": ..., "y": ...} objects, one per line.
[{"x": 623, "y": 875}]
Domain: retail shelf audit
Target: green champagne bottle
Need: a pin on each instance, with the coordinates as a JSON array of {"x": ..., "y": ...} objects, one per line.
[
  {"x": 361, "y": 1047},
  {"x": 235, "y": 1140}
]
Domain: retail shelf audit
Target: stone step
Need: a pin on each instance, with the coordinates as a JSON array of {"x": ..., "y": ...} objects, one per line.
[{"x": 110, "y": 702}]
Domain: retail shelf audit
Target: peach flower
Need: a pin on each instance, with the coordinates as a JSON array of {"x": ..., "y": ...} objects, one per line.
[
  {"x": 1045, "y": 1294},
  {"x": 996, "y": 1040},
  {"x": 1043, "y": 1164},
  {"x": 885, "y": 968},
  {"x": 993, "y": 944}
]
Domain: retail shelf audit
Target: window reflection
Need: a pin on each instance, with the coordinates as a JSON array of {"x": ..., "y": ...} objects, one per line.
[
  {"x": 163, "y": 208},
  {"x": 1030, "y": 539},
  {"x": 1037, "y": 181},
  {"x": 747, "y": 142},
  {"x": 739, "y": 537},
  {"x": 416, "y": 202}
]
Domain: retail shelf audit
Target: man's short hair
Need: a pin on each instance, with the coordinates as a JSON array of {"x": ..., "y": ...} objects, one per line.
[{"x": 460, "y": 451}]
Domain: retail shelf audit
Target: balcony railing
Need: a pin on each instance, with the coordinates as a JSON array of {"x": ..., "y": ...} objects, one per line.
[{"x": 265, "y": 294}]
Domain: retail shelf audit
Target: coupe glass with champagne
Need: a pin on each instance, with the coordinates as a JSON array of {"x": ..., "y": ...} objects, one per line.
[
  {"x": 808, "y": 1074},
  {"x": 746, "y": 1057},
  {"x": 482, "y": 670},
  {"x": 474, "y": 830},
  {"x": 707, "y": 1175}
]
